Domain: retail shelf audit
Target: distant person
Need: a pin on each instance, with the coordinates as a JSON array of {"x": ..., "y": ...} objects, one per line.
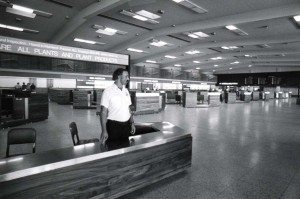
[
  {"x": 32, "y": 87},
  {"x": 17, "y": 87},
  {"x": 23, "y": 86},
  {"x": 28, "y": 86}
]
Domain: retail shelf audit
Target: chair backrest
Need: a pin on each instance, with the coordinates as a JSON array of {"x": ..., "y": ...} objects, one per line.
[
  {"x": 21, "y": 136},
  {"x": 74, "y": 133}
]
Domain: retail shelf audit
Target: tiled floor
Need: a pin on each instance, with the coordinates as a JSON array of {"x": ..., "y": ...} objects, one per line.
[{"x": 249, "y": 150}]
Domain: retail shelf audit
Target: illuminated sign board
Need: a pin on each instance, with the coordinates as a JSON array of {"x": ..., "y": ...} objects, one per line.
[{"x": 27, "y": 47}]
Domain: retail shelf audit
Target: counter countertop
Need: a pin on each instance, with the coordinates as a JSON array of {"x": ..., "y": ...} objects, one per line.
[{"x": 26, "y": 165}]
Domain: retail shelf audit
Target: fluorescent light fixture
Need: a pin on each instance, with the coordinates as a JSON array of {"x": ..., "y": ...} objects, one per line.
[
  {"x": 158, "y": 43},
  {"x": 177, "y": 64},
  {"x": 134, "y": 50},
  {"x": 191, "y": 5},
  {"x": 230, "y": 68},
  {"x": 85, "y": 41},
  {"x": 151, "y": 61},
  {"x": 201, "y": 34},
  {"x": 236, "y": 62},
  {"x": 247, "y": 56},
  {"x": 216, "y": 58},
  {"x": 147, "y": 14},
  {"x": 264, "y": 46},
  {"x": 170, "y": 57},
  {"x": 11, "y": 27},
  {"x": 140, "y": 17},
  {"x": 236, "y": 30},
  {"x": 174, "y": 82},
  {"x": 297, "y": 18},
  {"x": 250, "y": 66},
  {"x": 196, "y": 62},
  {"x": 107, "y": 31},
  {"x": 198, "y": 68},
  {"x": 21, "y": 8},
  {"x": 229, "y": 47},
  {"x": 225, "y": 47},
  {"x": 193, "y": 36},
  {"x": 192, "y": 52},
  {"x": 216, "y": 65},
  {"x": 231, "y": 27}
]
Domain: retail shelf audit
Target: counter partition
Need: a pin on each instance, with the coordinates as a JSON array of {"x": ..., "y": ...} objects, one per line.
[{"x": 96, "y": 170}]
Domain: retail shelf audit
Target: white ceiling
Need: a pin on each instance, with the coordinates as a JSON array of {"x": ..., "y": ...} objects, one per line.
[{"x": 266, "y": 22}]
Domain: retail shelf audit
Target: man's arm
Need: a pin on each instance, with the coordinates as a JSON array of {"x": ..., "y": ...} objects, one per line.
[
  {"x": 132, "y": 122},
  {"x": 103, "y": 121}
]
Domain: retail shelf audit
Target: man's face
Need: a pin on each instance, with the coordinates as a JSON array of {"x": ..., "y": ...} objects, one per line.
[{"x": 124, "y": 78}]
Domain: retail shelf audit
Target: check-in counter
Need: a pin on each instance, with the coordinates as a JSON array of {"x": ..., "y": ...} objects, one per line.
[
  {"x": 230, "y": 98},
  {"x": 266, "y": 95},
  {"x": 214, "y": 99},
  {"x": 147, "y": 103},
  {"x": 189, "y": 99},
  {"x": 247, "y": 96},
  {"x": 255, "y": 95},
  {"x": 98, "y": 171},
  {"x": 21, "y": 107},
  {"x": 82, "y": 99},
  {"x": 61, "y": 96}
]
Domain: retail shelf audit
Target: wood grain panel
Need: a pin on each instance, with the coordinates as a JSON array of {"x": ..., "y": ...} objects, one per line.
[{"x": 107, "y": 177}]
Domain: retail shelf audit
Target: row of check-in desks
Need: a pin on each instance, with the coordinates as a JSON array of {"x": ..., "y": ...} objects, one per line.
[{"x": 19, "y": 107}]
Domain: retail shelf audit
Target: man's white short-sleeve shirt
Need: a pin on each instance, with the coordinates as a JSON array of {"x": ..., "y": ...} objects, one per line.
[{"x": 117, "y": 102}]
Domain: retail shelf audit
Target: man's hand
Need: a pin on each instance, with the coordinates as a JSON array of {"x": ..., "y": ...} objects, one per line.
[
  {"x": 103, "y": 137},
  {"x": 132, "y": 129}
]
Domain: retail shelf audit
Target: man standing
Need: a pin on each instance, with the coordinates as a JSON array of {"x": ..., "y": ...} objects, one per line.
[{"x": 115, "y": 116}]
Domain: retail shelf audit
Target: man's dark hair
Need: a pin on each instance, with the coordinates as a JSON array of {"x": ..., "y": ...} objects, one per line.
[{"x": 117, "y": 73}]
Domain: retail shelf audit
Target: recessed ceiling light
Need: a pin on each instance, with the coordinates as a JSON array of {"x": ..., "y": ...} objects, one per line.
[
  {"x": 216, "y": 58},
  {"x": 247, "y": 55},
  {"x": 134, "y": 50},
  {"x": 230, "y": 68},
  {"x": 192, "y": 52},
  {"x": 198, "y": 68},
  {"x": 151, "y": 61},
  {"x": 201, "y": 34},
  {"x": 236, "y": 30},
  {"x": 236, "y": 62},
  {"x": 177, "y": 64},
  {"x": 196, "y": 62},
  {"x": 297, "y": 18},
  {"x": 107, "y": 31},
  {"x": 216, "y": 65},
  {"x": 139, "y": 17},
  {"x": 250, "y": 66},
  {"x": 170, "y": 57},
  {"x": 193, "y": 36},
  {"x": 147, "y": 14},
  {"x": 23, "y": 9},
  {"x": 85, "y": 41},
  {"x": 11, "y": 27},
  {"x": 192, "y": 6},
  {"x": 158, "y": 43},
  {"x": 231, "y": 27}
]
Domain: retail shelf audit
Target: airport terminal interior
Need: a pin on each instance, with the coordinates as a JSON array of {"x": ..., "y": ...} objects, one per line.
[{"x": 214, "y": 87}]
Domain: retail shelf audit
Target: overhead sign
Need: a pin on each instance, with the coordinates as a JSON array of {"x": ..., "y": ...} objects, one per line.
[{"x": 27, "y": 47}]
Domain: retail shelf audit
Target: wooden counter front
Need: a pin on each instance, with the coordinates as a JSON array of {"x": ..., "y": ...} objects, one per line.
[{"x": 90, "y": 170}]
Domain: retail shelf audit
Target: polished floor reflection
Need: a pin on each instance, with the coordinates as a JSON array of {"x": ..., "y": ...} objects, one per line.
[{"x": 249, "y": 150}]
